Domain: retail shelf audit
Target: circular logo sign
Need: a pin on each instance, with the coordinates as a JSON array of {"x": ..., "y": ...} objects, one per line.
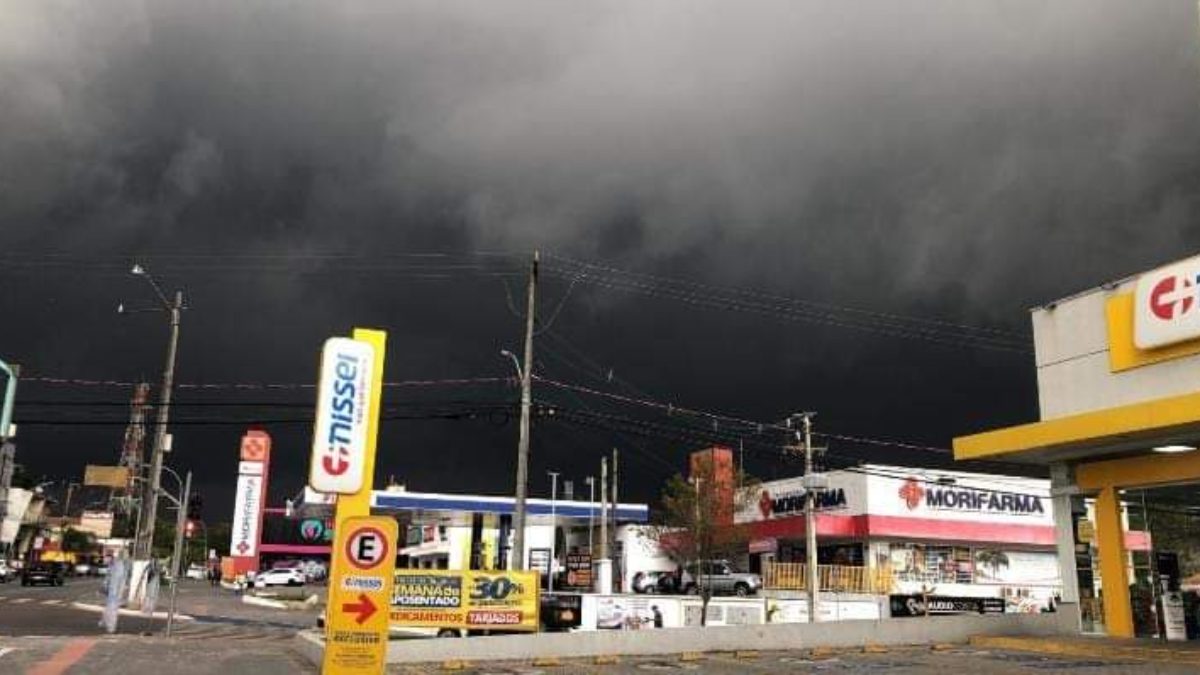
[{"x": 366, "y": 548}]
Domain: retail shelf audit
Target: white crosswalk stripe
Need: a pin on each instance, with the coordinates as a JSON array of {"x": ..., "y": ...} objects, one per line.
[
  {"x": 52, "y": 602},
  {"x": 21, "y": 601}
]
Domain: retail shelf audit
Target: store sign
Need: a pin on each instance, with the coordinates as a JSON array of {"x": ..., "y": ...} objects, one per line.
[
  {"x": 359, "y": 591},
  {"x": 339, "y": 445},
  {"x": 1167, "y": 305},
  {"x": 918, "y": 605},
  {"x": 579, "y": 571},
  {"x": 245, "y": 516},
  {"x": 915, "y": 494},
  {"x": 786, "y": 503},
  {"x": 465, "y": 599}
]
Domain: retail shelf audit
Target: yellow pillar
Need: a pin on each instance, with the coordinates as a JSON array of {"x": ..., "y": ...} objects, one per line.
[{"x": 1110, "y": 535}]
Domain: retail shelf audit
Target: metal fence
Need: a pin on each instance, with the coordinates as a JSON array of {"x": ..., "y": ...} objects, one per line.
[{"x": 834, "y": 578}]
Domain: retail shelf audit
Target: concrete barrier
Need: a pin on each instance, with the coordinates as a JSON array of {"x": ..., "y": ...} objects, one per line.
[{"x": 766, "y": 637}]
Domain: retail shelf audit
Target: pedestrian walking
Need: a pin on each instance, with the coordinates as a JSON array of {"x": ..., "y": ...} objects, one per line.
[{"x": 658, "y": 617}]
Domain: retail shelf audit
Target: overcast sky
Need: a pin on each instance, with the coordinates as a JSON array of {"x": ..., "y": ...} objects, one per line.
[{"x": 957, "y": 162}]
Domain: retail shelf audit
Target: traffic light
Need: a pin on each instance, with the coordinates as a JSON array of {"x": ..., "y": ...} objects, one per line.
[{"x": 195, "y": 506}]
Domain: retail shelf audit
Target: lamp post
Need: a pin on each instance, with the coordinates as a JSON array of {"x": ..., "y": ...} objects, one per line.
[
  {"x": 7, "y": 451},
  {"x": 185, "y": 487},
  {"x": 145, "y": 535}
]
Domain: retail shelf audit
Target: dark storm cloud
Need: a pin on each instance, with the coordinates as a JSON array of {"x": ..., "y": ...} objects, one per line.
[{"x": 942, "y": 158}]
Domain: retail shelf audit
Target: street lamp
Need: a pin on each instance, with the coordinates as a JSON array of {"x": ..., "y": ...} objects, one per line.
[
  {"x": 522, "y": 453},
  {"x": 147, "y": 521},
  {"x": 185, "y": 487}
]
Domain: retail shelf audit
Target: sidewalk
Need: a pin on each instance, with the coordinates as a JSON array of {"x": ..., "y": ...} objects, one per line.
[{"x": 1096, "y": 646}]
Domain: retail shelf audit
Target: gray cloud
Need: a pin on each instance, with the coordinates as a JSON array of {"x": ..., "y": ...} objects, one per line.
[{"x": 937, "y": 157}]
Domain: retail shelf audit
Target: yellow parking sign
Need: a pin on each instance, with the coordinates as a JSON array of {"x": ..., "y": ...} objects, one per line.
[{"x": 360, "y": 594}]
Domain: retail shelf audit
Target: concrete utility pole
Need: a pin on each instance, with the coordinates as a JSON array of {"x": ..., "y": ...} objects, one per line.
[
  {"x": 603, "y": 508},
  {"x": 553, "y": 528},
  {"x": 591, "y": 481},
  {"x": 177, "y": 558},
  {"x": 613, "y": 544},
  {"x": 526, "y": 402},
  {"x": 150, "y": 499},
  {"x": 810, "y": 524}
]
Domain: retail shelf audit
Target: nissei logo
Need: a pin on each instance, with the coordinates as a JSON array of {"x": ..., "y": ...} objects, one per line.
[
  {"x": 1166, "y": 306},
  {"x": 340, "y": 432},
  {"x": 342, "y": 405}
]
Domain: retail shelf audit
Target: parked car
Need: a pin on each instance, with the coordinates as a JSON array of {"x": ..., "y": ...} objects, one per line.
[
  {"x": 288, "y": 576},
  {"x": 652, "y": 582},
  {"x": 82, "y": 569},
  {"x": 195, "y": 571},
  {"x": 51, "y": 574},
  {"x": 7, "y": 573},
  {"x": 720, "y": 578}
]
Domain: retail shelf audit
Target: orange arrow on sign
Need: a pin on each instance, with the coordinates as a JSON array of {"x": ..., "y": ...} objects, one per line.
[{"x": 364, "y": 608}]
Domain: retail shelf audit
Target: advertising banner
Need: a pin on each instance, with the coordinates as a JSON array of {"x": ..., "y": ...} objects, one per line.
[
  {"x": 245, "y": 516},
  {"x": 339, "y": 450},
  {"x": 466, "y": 600},
  {"x": 364, "y": 555},
  {"x": 914, "y": 605},
  {"x": 579, "y": 571}
]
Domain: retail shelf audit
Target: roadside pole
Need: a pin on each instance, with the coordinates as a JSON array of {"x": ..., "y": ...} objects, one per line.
[
  {"x": 810, "y": 527},
  {"x": 553, "y": 529},
  {"x": 517, "y": 559},
  {"x": 177, "y": 557},
  {"x": 362, "y": 565}
]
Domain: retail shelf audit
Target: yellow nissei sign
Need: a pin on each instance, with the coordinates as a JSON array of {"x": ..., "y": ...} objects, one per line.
[{"x": 475, "y": 600}]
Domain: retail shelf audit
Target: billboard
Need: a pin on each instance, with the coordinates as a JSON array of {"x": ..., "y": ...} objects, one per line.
[
  {"x": 255, "y": 456},
  {"x": 339, "y": 450},
  {"x": 106, "y": 476},
  {"x": 469, "y": 600},
  {"x": 1167, "y": 306}
]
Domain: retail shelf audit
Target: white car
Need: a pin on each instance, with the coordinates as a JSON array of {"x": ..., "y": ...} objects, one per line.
[
  {"x": 196, "y": 572},
  {"x": 280, "y": 577}
]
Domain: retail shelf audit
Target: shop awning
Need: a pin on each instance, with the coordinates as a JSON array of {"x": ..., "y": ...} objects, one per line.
[{"x": 1125, "y": 429}]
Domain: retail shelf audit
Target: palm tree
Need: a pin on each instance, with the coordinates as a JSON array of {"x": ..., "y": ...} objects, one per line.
[{"x": 992, "y": 558}]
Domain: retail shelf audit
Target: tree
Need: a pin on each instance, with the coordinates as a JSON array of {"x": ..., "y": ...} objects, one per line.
[
  {"x": 992, "y": 558},
  {"x": 696, "y": 521},
  {"x": 76, "y": 541}
]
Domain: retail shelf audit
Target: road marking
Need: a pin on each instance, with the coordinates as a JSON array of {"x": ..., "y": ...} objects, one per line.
[
  {"x": 5, "y": 650},
  {"x": 21, "y": 601},
  {"x": 69, "y": 655},
  {"x": 52, "y": 602}
]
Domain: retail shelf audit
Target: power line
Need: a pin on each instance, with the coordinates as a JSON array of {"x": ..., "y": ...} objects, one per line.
[{"x": 84, "y": 382}]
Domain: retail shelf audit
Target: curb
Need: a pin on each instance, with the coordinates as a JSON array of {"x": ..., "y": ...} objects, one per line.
[
  {"x": 128, "y": 612},
  {"x": 1086, "y": 647},
  {"x": 263, "y": 602}
]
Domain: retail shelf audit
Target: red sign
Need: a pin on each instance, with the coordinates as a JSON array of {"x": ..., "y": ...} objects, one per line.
[
  {"x": 367, "y": 548},
  {"x": 363, "y": 609}
]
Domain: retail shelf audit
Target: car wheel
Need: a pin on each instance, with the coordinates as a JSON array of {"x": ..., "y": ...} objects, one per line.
[
  {"x": 58, "y": 582},
  {"x": 741, "y": 590},
  {"x": 448, "y": 633},
  {"x": 691, "y": 589}
]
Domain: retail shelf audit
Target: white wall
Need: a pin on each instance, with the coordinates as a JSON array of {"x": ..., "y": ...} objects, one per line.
[{"x": 1071, "y": 344}]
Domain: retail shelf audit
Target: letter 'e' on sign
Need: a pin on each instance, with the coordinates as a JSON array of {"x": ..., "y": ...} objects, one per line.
[
  {"x": 360, "y": 595},
  {"x": 340, "y": 432}
]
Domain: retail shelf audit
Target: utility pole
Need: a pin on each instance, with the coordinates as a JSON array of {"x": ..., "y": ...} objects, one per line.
[
  {"x": 553, "y": 529},
  {"x": 150, "y": 498},
  {"x": 810, "y": 523},
  {"x": 526, "y": 403},
  {"x": 177, "y": 557},
  {"x": 603, "y": 508},
  {"x": 613, "y": 544},
  {"x": 591, "y": 481}
]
